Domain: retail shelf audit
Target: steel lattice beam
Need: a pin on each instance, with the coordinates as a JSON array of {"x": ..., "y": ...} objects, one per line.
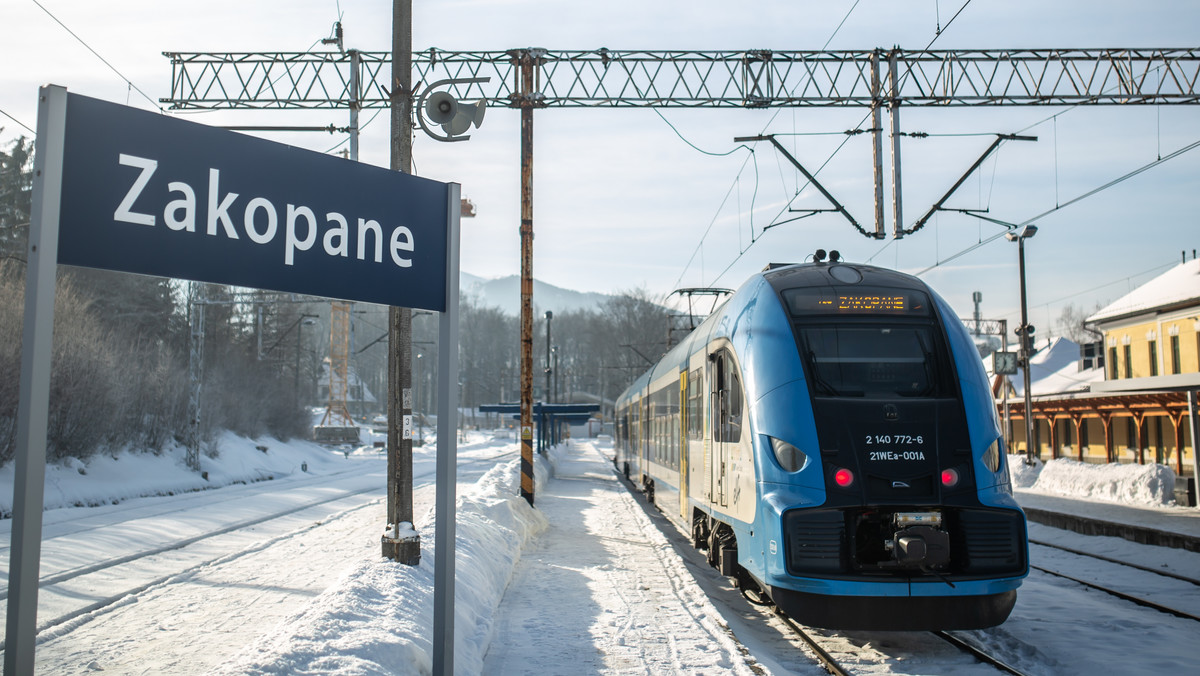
[{"x": 700, "y": 79}]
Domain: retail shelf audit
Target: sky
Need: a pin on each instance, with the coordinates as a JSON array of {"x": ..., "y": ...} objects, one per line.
[{"x": 623, "y": 199}]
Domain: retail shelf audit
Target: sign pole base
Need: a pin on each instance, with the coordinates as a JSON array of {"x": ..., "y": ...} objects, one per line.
[{"x": 406, "y": 550}]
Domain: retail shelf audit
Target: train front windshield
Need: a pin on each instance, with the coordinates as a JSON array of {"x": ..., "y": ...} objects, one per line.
[
  {"x": 868, "y": 343},
  {"x": 872, "y": 361}
]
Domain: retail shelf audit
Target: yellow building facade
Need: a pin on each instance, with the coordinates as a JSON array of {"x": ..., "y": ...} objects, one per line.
[
  {"x": 1142, "y": 347},
  {"x": 1140, "y": 407}
]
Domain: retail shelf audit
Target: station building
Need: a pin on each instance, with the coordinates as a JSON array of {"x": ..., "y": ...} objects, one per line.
[{"x": 1130, "y": 397}]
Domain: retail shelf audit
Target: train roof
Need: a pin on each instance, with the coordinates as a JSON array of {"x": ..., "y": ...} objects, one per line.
[{"x": 798, "y": 275}]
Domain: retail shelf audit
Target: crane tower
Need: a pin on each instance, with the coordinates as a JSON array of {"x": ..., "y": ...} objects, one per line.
[{"x": 337, "y": 426}]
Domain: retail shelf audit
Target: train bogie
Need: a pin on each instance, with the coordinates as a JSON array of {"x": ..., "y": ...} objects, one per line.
[{"x": 829, "y": 439}]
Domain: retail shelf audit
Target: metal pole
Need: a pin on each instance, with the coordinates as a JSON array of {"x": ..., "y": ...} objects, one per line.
[
  {"x": 1024, "y": 355},
  {"x": 877, "y": 141},
  {"x": 447, "y": 451},
  {"x": 1007, "y": 419},
  {"x": 33, "y": 407},
  {"x": 1194, "y": 426},
  {"x": 355, "y": 101},
  {"x": 404, "y": 549},
  {"x": 296, "y": 373},
  {"x": 894, "y": 109},
  {"x": 196, "y": 308},
  {"x": 549, "y": 368},
  {"x": 526, "y": 65}
]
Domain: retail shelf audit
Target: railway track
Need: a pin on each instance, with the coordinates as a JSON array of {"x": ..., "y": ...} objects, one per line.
[
  {"x": 65, "y": 621},
  {"x": 182, "y": 543},
  {"x": 1148, "y": 569},
  {"x": 825, "y": 657},
  {"x": 1130, "y": 597},
  {"x": 73, "y": 573},
  {"x": 833, "y": 666}
]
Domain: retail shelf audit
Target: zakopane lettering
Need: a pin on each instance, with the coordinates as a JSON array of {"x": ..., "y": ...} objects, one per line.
[{"x": 260, "y": 220}]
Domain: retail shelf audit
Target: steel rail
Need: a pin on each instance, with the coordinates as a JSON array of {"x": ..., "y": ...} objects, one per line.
[
  {"x": 978, "y": 653},
  {"x": 180, "y": 544},
  {"x": 1148, "y": 569},
  {"x": 117, "y": 598},
  {"x": 827, "y": 661},
  {"x": 88, "y": 612},
  {"x": 1121, "y": 595}
]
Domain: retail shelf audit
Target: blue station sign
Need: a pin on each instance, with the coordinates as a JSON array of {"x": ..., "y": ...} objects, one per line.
[{"x": 151, "y": 194}]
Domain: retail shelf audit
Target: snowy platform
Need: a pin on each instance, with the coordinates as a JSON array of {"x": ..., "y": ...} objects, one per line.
[
  {"x": 602, "y": 591},
  {"x": 1164, "y": 526}
]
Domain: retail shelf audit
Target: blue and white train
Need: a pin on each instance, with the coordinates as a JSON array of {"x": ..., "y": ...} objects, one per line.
[{"x": 829, "y": 438}]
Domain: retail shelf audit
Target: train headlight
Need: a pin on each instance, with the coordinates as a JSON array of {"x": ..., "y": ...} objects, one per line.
[{"x": 790, "y": 458}]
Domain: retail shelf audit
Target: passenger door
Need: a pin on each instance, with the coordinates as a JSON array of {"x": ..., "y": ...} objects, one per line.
[{"x": 726, "y": 418}]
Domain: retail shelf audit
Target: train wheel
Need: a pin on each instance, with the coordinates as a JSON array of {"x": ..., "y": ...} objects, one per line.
[{"x": 751, "y": 591}]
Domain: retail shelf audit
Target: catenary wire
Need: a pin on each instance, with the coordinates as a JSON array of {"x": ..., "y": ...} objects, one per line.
[
  {"x": 97, "y": 55},
  {"x": 703, "y": 237},
  {"x": 787, "y": 205},
  {"x": 5, "y": 114},
  {"x": 1069, "y": 202},
  {"x": 937, "y": 35}
]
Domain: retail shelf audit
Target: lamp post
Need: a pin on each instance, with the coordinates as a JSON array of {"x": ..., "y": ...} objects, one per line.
[
  {"x": 1025, "y": 332},
  {"x": 305, "y": 320},
  {"x": 549, "y": 367}
]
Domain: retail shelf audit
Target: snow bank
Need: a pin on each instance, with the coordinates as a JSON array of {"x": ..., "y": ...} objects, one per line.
[
  {"x": 108, "y": 479},
  {"x": 1021, "y": 474},
  {"x": 1148, "y": 485},
  {"x": 377, "y": 618}
]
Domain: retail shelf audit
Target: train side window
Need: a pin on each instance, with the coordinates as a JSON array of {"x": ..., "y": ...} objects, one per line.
[
  {"x": 728, "y": 414},
  {"x": 695, "y": 406}
]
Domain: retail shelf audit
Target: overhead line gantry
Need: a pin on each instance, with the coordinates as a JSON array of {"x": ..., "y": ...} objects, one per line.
[{"x": 697, "y": 79}]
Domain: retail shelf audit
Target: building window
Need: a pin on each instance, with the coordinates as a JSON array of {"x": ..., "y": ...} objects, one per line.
[
  {"x": 1153, "y": 357},
  {"x": 1175, "y": 365},
  {"x": 1112, "y": 364},
  {"x": 1128, "y": 361}
]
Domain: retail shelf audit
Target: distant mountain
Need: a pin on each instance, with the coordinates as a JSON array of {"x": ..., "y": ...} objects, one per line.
[{"x": 505, "y": 293}]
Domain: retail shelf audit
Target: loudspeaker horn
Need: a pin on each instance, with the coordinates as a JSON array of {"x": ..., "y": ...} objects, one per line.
[
  {"x": 468, "y": 114},
  {"x": 441, "y": 108}
]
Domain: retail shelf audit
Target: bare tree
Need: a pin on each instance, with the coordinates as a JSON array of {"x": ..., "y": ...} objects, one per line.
[{"x": 1070, "y": 323}]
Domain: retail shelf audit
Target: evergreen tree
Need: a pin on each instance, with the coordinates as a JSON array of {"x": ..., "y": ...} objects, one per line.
[{"x": 16, "y": 194}]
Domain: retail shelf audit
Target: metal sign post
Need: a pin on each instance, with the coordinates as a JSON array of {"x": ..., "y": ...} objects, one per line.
[
  {"x": 34, "y": 406},
  {"x": 123, "y": 189},
  {"x": 447, "y": 451}
]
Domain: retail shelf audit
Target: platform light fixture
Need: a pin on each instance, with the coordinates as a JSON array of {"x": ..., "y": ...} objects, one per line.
[{"x": 1025, "y": 332}]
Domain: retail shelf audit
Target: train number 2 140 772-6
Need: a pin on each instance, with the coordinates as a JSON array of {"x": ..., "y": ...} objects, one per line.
[{"x": 895, "y": 440}]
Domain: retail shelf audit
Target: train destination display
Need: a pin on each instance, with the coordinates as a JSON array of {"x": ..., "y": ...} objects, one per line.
[{"x": 823, "y": 300}]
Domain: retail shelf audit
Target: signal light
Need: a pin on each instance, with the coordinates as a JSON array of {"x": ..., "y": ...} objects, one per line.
[
  {"x": 843, "y": 477},
  {"x": 949, "y": 478}
]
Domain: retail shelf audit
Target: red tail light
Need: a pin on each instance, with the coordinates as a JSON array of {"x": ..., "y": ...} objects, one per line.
[
  {"x": 949, "y": 478},
  {"x": 843, "y": 478}
]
